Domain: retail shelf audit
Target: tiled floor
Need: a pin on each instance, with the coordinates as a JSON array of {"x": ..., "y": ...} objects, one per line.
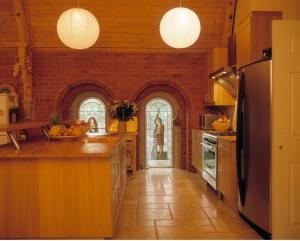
[{"x": 173, "y": 204}]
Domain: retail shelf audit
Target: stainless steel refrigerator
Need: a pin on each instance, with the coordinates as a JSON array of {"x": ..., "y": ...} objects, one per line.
[{"x": 254, "y": 144}]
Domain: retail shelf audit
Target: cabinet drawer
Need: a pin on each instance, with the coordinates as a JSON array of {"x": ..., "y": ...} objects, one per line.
[{"x": 224, "y": 145}]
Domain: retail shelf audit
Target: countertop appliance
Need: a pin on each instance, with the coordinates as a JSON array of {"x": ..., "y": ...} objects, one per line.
[
  {"x": 206, "y": 120},
  {"x": 254, "y": 145}
]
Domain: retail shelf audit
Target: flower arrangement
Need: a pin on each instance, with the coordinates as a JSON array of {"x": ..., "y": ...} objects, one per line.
[{"x": 122, "y": 110}]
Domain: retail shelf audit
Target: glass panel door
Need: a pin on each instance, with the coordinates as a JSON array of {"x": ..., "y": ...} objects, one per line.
[{"x": 159, "y": 133}]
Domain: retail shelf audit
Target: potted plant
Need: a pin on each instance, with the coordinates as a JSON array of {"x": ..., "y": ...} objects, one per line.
[{"x": 122, "y": 111}]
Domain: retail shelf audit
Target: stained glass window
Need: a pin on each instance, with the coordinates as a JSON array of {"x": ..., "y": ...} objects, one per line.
[
  {"x": 93, "y": 110},
  {"x": 159, "y": 133}
]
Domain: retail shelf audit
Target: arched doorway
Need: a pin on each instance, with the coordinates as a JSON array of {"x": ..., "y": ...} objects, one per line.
[
  {"x": 159, "y": 133},
  {"x": 176, "y": 129}
]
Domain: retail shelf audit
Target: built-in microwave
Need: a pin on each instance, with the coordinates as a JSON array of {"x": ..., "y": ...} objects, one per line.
[{"x": 206, "y": 120}]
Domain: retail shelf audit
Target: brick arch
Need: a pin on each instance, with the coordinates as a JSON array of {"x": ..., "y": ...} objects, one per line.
[
  {"x": 71, "y": 91},
  {"x": 184, "y": 103},
  {"x": 162, "y": 85}
]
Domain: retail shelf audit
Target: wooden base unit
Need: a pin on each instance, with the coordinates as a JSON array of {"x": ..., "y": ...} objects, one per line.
[
  {"x": 227, "y": 176},
  {"x": 197, "y": 149},
  {"x": 61, "y": 195}
]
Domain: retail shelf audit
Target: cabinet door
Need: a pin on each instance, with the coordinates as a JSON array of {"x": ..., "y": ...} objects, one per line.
[
  {"x": 223, "y": 179},
  {"x": 227, "y": 183},
  {"x": 115, "y": 166},
  {"x": 243, "y": 43},
  {"x": 197, "y": 149}
]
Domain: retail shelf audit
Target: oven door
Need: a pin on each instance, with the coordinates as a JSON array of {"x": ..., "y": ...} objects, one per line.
[{"x": 209, "y": 159}]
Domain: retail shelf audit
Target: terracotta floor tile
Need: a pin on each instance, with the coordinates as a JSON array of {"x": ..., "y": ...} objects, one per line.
[
  {"x": 186, "y": 212},
  {"x": 128, "y": 210},
  {"x": 152, "y": 193},
  {"x": 173, "y": 223},
  {"x": 183, "y": 222},
  {"x": 153, "y": 213},
  {"x": 206, "y": 229},
  {"x": 132, "y": 195},
  {"x": 126, "y": 222},
  {"x": 230, "y": 225},
  {"x": 170, "y": 203},
  {"x": 153, "y": 205},
  {"x": 159, "y": 199},
  {"x": 201, "y": 221},
  {"x": 160, "y": 170},
  {"x": 217, "y": 213},
  {"x": 178, "y": 192},
  {"x": 136, "y": 233},
  {"x": 177, "y": 232},
  {"x": 175, "y": 185},
  {"x": 149, "y": 187}
]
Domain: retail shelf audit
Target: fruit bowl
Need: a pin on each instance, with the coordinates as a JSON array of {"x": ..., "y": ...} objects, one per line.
[
  {"x": 84, "y": 129},
  {"x": 221, "y": 126}
]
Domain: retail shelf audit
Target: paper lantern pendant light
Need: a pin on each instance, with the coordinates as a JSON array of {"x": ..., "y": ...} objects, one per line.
[
  {"x": 78, "y": 28},
  {"x": 180, "y": 27}
]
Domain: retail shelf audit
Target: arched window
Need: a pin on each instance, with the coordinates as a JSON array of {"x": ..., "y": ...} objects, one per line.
[
  {"x": 159, "y": 134},
  {"x": 92, "y": 110}
]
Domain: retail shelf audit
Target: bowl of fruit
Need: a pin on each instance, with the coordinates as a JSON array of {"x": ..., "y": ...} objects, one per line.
[
  {"x": 68, "y": 131},
  {"x": 222, "y": 124}
]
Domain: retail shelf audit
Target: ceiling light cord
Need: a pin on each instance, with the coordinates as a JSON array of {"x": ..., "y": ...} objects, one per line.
[
  {"x": 77, "y": 3},
  {"x": 180, "y": 3}
]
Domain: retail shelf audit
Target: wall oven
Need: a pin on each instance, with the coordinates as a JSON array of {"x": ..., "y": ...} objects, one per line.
[{"x": 209, "y": 159}]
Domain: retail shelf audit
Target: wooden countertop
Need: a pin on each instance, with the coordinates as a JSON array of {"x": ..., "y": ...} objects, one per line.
[
  {"x": 60, "y": 149},
  {"x": 24, "y": 125},
  {"x": 227, "y": 138}
]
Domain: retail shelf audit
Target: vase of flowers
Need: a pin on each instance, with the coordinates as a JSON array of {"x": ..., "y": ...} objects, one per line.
[{"x": 122, "y": 111}]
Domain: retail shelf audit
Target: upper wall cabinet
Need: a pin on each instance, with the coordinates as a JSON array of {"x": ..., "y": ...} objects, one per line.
[
  {"x": 219, "y": 58},
  {"x": 254, "y": 34}
]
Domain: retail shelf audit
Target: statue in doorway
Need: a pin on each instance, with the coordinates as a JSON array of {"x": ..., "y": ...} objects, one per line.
[{"x": 158, "y": 134}]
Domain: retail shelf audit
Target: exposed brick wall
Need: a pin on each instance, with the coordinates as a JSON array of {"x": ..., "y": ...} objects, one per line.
[
  {"x": 124, "y": 75},
  {"x": 7, "y": 59}
]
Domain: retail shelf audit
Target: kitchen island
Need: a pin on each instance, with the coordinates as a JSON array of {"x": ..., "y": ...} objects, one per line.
[{"x": 62, "y": 189}]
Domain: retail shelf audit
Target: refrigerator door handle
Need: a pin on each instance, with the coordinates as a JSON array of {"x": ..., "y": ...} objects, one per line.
[{"x": 240, "y": 138}]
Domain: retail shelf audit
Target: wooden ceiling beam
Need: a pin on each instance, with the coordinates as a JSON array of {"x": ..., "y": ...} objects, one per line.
[
  {"x": 23, "y": 26},
  {"x": 13, "y": 44}
]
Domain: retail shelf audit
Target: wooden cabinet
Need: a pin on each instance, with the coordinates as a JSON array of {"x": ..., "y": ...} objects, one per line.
[
  {"x": 219, "y": 58},
  {"x": 68, "y": 189},
  {"x": 254, "y": 34},
  {"x": 197, "y": 149},
  {"x": 118, "y": 177},
  {"x": 227, "y": 180},
  {"x": 216, "y": 59}
]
